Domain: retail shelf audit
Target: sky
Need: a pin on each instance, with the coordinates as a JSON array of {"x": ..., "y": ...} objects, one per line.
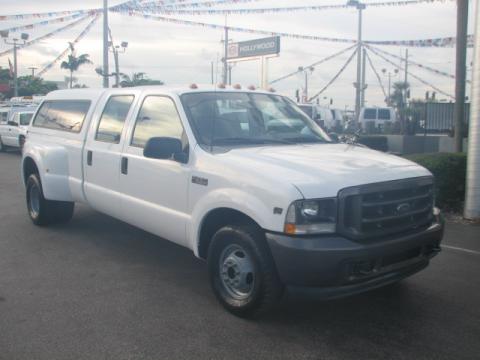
[{"x": 178, "y": 54}]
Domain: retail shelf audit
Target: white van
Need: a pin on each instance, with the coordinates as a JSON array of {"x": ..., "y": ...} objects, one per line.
[
  {"x": 321, "y": 115},
  {"x": 377, "y": 115}
]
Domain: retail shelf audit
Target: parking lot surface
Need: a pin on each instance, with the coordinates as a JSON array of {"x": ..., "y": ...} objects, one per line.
[{"x": 97, "y": 288}]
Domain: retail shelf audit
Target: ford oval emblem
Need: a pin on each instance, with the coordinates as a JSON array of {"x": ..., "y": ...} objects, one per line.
[{"x": 403, "y": 208}]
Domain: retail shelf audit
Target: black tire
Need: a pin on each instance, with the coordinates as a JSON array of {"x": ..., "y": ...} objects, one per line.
[
  {"x": 264, "y": 290},
  {"x": 44, "y": 212}
]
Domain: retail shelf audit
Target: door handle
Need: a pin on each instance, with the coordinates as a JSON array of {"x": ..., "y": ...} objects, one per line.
[
  {"x": 89, "y": 157},
  {"x": 124, "y": 165}
]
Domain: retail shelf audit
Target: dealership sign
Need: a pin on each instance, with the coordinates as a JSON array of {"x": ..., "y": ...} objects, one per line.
[{"x": 254, "y": 48}]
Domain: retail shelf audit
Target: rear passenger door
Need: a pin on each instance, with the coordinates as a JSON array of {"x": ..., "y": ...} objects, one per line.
[
  {"x": 155, "y": 191},
  {"x": 102, "y": 153}
]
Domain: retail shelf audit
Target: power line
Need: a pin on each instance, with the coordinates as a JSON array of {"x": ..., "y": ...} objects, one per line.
[{"x": 335, "y": 77}]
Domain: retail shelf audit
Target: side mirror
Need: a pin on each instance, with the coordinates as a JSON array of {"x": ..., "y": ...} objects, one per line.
[
  {"x": 12, "y": 123},
  {"x": 165, "y": 148}
]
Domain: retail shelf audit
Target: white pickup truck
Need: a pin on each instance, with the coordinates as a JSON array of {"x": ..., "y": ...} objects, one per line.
[
  {"x": 244, "y": 179},
  {"x": 13, "y": 129}
]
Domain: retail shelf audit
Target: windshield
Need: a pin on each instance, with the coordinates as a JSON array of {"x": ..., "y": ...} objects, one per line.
[
  {"x": 239, "y": 119},
  {"x": 25, "y": 118}
]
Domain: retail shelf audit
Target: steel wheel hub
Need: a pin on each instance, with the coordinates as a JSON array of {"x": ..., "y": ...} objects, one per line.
[{"x": 237, "y": 272}]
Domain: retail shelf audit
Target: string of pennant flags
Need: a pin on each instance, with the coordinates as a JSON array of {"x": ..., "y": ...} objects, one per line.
[
  {"x": 436, "y": 42},
  {"x": 440, "y": 91},
  {"x": 75, "y": 41},
  {"x": 411, "y": 62},
  {"x": 342, "y": 69},
  {"x": 199, "y": 9},
  {"x": 176, "y": 21},
  {"x": 44, "y": 23},
  {"x": 314, "y": 64},
  {"x": 370, "y": 62},
  {"x": 46, "y": 36},
  {"x": 238, "y": 29},
  {"x": 175, "y": 6},
  {"x": 136, "y": 5},
  {"x": 45, "y": 14}
]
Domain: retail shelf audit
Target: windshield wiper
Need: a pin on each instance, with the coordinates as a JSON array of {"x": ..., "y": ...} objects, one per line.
[
  {"x": 244, "y": 140},
  {"x": 300, "y": 139}
]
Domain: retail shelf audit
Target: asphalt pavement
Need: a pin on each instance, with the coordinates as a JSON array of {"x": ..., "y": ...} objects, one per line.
[{"x": 97, "y": 288}]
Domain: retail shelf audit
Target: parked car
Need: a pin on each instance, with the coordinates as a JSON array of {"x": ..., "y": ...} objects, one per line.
[
  {"x": 13, "y": 132},
  {"x": 244, "y": 179},
  {"x": 378, "y": 116}
]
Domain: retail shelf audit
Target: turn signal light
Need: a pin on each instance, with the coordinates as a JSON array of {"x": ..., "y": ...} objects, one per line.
[
  {"x": 252, "y": 87},
  {"x": 193, "y": 86},
  {"x": 237, "y": 86},
  {"x": 290, "y": 229},
  {"x": 221, "y": 86}
]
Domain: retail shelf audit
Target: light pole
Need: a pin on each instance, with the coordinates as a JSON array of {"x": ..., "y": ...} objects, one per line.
[
  {"x": 306, "y": 71},
  {"x": 115, "y": 49},
  {"x": 105, "y": 69},
  {"x": 389, "y": 74},
  {"x": 33, "y": 68},
  {"x": 14, "y": 42},
  {"x": 358, "y": 85}
]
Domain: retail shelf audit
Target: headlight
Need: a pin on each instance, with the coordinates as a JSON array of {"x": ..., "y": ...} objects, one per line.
[{"x": 311, "y": 217}]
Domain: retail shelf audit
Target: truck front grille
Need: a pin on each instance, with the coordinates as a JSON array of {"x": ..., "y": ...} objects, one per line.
[{"x": 379, "y": 209}]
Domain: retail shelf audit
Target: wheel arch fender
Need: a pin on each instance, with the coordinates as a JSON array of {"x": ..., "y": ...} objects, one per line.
[
  {"x": 51, "y": 163},
  {"x": 247, "y": 206}
]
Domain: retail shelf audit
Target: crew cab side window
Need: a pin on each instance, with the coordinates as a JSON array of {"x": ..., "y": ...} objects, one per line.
[
  {"x": 65, "y": 115},
  {"x": 158, "y": 117},
  {"x": 111, "y": 123}
]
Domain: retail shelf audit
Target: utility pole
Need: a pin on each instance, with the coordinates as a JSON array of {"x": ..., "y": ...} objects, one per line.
[
  {"x": 364, "y": 74},
  {"x": 33, "y": 68},
  {"x": 211, "y": 72},
  {"x": 305, "y": 89},
  {"x": 105, "y": 45},
  {"x": 358, "y": 90},
  {"x": 472, "y": 196},
  {"x": 15, "y": 70},
  {"x": 24, "y": 38},
  {"x": 460, "y": 72},
  {"x": 225, "y": 56}
]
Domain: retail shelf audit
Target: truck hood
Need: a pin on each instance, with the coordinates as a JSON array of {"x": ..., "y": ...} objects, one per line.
[{"x": 321, "y": 170}]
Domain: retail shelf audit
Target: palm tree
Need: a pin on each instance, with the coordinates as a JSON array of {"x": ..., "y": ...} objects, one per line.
[
  {"x": 74, "y": 63},
  {"x": 138, "y": 79}
]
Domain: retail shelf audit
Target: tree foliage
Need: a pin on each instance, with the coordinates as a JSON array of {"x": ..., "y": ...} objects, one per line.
[
  {"x": 138, "y": 79},
  {"x": 73, "y": 64}
]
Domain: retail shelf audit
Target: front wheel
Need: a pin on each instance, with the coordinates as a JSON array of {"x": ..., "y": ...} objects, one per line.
[
  {"x": 242, "y": 272},
  {"x": 42, "y": 211}
]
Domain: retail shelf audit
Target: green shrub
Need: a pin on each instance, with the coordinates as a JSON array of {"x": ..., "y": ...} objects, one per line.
[
  {"x": 449, "y": 170},
  {"x": 374, "y": 142}
]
